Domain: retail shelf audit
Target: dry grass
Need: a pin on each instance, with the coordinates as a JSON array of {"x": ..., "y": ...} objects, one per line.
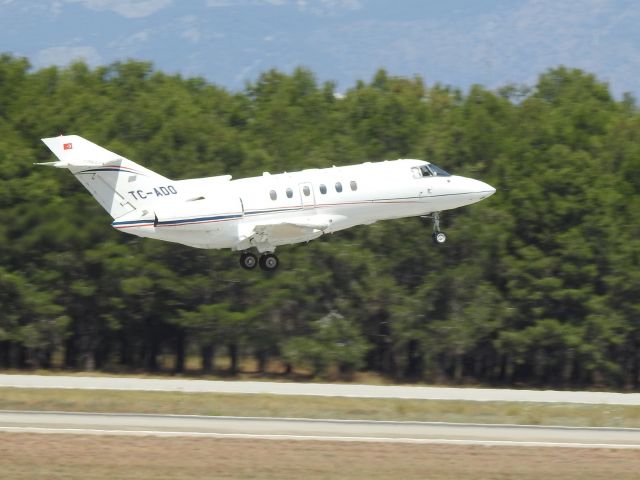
[
  {"x": 318, "y": 407},
  {"x": 30, "y": 456}
]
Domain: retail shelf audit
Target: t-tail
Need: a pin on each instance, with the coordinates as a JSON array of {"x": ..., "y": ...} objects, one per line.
[{"x": 126, "y": 190}]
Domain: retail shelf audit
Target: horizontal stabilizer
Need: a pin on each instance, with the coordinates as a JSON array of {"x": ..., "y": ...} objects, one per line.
[
  {"x": 77, "y": 164},
  {"x": 75, "y": 151}
]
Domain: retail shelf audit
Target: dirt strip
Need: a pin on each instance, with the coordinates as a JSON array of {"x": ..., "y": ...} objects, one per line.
[{"x": 31, "y": 456}]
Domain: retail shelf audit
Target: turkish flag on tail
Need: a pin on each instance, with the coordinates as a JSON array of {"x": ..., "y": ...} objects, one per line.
[{"x": 67, "y": 146}]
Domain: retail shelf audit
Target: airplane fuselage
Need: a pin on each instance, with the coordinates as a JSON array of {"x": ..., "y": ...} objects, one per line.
[{"x": 213, "y": 213}]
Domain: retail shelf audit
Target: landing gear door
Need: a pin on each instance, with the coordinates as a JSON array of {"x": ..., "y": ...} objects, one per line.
[{"x": 307, "y": 196}]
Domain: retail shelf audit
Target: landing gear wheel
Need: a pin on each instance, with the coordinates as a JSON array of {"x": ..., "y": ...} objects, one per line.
[
  {"x": 269, "y": 262},
  {"x": 248, "y": 260},
  {"x": 439, "y": 238}
]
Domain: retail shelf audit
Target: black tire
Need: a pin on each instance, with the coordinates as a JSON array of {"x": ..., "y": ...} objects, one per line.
[
  {"x": 269, "y": 262},
  {"x": 248, "y": 260},
  {"x": 439, "y": 238}
]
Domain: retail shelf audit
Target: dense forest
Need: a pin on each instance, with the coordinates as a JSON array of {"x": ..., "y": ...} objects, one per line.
[{"x": 538, "y": 285}]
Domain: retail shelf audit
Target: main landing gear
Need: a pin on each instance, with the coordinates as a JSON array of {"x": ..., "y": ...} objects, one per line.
[
  {"x": 438, "y": 236},
  {"x": 268, "y": 261}
]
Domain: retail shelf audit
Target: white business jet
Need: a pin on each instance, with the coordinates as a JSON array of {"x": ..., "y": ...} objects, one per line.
[{"x": 263, "y": 212}]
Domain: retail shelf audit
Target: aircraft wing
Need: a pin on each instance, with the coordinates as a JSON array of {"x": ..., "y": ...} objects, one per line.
[
  {"x": 266, "y": 235},
  {"x": 285, "y": 229}
]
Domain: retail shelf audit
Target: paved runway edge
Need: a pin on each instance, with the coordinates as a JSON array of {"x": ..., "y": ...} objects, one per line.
[
  {"x": 240, "y": 436},
  {"x": 43, "y": 422},
  {"x": 317, "y": 389}
]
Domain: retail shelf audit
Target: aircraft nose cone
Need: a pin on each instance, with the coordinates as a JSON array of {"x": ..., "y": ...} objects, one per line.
[
  {"x": 484, "y": 189},
  {"x": 489, "y": 190}
]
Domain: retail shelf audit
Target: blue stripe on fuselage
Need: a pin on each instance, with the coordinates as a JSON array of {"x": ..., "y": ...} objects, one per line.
[{"x": 183, "y": 221}]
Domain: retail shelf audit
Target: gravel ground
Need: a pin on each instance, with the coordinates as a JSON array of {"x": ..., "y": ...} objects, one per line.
[{"x": 31, "y": 456}]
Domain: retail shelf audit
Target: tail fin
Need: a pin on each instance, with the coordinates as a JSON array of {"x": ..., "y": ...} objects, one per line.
[{"x": 118, "y": 184}]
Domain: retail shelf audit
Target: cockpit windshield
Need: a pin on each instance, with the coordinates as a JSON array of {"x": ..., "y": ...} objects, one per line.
[{"x": 432, "y": 170}]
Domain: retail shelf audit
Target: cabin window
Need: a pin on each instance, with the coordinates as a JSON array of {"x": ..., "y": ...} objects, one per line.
[
  {"x": 338, "y": 187},
  {"x": 354, "y": 185},
  {"x": 426, "y": 172},
  {"x": 306, "y": 191},
  {"x": 323, "y": 189},
  {"x": 273, "y": 195},
  {"x": 438, "y": 171},
  {"x": 289, "y": 193},
  {"x": 432, "y": 170}
]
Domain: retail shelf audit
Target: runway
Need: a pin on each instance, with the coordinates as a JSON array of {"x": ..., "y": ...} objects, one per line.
[
  {"x": 311, "y": 429},
  {"x": 318, "y": 389}
]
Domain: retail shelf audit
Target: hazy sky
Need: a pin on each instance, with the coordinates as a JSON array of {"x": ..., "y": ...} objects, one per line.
[{"x": 455, "y": 42}]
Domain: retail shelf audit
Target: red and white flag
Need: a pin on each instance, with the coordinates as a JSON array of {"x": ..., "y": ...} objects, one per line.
[{"x": 67, "y": 146}]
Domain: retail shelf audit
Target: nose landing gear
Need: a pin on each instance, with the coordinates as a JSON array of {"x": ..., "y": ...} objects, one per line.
[{"x": 438, "y": 236}]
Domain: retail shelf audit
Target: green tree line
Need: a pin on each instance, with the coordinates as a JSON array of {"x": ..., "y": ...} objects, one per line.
[{"x": 538, "y": 285}]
